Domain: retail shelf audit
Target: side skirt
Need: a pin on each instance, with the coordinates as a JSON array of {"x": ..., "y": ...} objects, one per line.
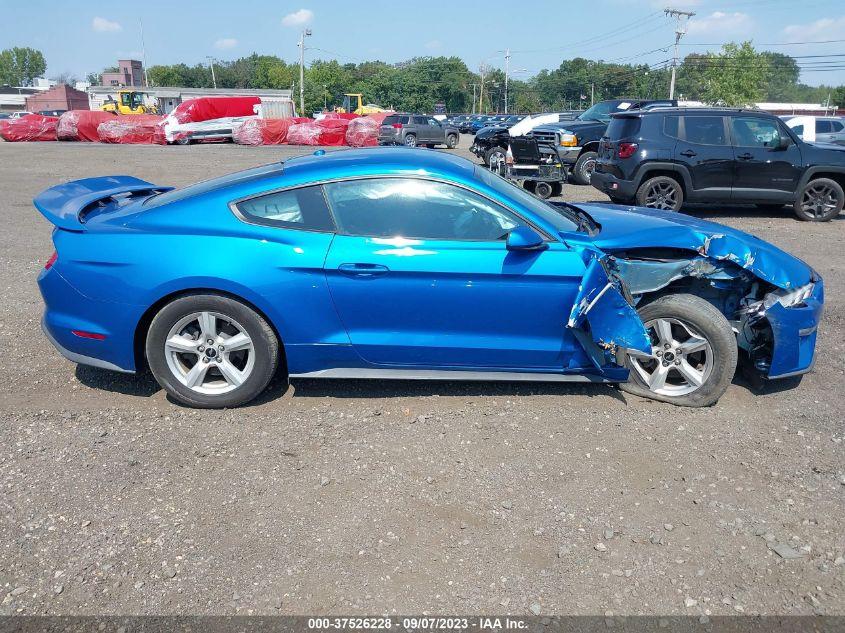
[{"x": 448, "y": 374}]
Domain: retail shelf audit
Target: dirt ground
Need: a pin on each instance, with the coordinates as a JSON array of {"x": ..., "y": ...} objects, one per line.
[{"x": 403, "y": 497}]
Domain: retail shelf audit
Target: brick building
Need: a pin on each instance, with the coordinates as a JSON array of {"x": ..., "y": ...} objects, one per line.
[
  {"x": 61, "y": 97},
  {"x": 130, "y": 73}
]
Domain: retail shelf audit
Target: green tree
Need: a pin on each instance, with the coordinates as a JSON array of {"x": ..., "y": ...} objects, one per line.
[
  {"x": 735, "y": 77},
  {"x": 20, "y": 65},
  {"x": 782, "y": 79}
]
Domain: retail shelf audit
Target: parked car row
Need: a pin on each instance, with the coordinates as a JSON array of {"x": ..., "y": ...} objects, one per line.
[{"x": 662, "y": 158}]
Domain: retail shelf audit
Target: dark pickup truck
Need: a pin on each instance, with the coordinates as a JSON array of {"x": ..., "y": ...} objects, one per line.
[{"x": 576, "y": 141}]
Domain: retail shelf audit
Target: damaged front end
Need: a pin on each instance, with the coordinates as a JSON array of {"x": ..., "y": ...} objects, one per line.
[{"x": 772, "y": 300}]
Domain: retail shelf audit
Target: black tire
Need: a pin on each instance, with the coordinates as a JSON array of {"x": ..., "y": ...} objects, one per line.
[
  {"x": 543, "y": 190},
  {"x": 702, "y": 317},
  {"x": 583, "y": 170},
  {"x": 649, "y": 194},
  {"x": 557, "y": 188},
  {"x": 410, "y": 140},
  {"x": 529, "y": 185},
  {"x": 451, "y": 141},
  {"x": 494, "y": 153},
  {"x": 265, "y": 350},
  {"x": 820, "y": 200},
  {"x": 183, "y": 140}
]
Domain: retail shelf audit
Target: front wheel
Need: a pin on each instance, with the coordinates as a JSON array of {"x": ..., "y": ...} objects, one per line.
[
  {"x": 821, "y": 200},
  {"x": 495, "y": 156},
  {"x": 693, "y": 356},
  {"x": 661, "y": 192},
  {"x": 582, "y": 173},
  {"x": 451, "y": 141},
  {"x": 211, "y": 352},
  {"x": 543, "y": 190}
]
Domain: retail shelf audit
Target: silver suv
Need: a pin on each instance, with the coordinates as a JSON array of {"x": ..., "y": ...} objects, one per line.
[{"x": 416, "y": 129}]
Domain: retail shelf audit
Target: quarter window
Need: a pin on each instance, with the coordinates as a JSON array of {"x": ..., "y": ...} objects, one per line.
[
  {"x": 751, "y": 132},
  {"x": 303, "y": 208},
  {"x": 670, "y": 126},
  {"x": 415, "y": 208}
]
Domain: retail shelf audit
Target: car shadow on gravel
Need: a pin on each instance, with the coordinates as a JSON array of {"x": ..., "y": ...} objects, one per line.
[
  {"x": 348, "y": 388},
  {"x": 140, "y": 384}
]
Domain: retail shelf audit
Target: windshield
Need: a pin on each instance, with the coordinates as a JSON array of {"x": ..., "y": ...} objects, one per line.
[
  {"x": 602, "y": 110},
  {"x": 559, "y": 218}
]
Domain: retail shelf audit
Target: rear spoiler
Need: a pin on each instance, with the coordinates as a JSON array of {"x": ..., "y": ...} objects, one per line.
[{"x": 65, "y": 205}]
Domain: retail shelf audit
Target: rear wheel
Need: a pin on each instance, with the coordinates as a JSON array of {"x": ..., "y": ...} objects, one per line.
[
  {"x": 557, "y": 188},
  {"x": 661, "y": 192},
  {"x": 451, "y": 141},
  {"x": 582, "y": 173},
  {"x": 210, "y": 351},
  {"x": 543, "y": 190},
  {"x": 411, "y": 140},
  {"x": 821, "y": 200},
  {"x": 693, "y": 356}
]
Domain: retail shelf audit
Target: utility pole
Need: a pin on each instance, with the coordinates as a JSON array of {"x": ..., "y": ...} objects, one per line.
[
  {"x": 211, "y": 63},
  {"x": 474, "y": 86},
  {"x": 681, "y": 19},
  {"x": 507, "y": 70},
  {"x": 481, "y": 70},
  {"x": 305, "y": 33},
  {"x": 592, "y": 94},
  {"x": 144, "y": 54}
]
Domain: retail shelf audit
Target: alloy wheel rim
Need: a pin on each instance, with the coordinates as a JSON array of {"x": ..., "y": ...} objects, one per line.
[
  {"x": 588, "y": 169},
  {"x": 411, "y": 141},
  {"x": 209, "y": 353},
  {"x": 680, "y": 362},
  {"x": 662, "y": 195},
  {"x": 819, "y": 200}
]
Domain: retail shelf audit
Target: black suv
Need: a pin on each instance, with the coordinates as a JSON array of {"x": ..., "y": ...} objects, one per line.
[
  {"x": 663, "y": 158},
  {"x": 577, "y": 141}
]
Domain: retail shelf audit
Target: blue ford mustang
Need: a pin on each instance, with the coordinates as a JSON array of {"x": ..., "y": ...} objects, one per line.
[{"x": 400, "y": 263}]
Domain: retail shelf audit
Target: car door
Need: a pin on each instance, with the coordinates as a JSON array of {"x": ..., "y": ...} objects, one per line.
[
  {"x": 763, "y": 170},
  {"x": 702, "y": 147},
  {"x": 421, "y": 276},
  {"x": 437, "y": 133},
  {"x": 422, "y": 130}
]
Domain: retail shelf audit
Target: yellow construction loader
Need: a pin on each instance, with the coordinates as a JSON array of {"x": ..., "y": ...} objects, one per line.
[
  {"x": 130, "y": 102},
  {"x": 358, "y": 104}
]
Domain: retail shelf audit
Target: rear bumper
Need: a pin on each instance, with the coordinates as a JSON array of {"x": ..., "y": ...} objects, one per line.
[
  {"x": 67, "y": 311},
  {"x": 613, "y": 186}
]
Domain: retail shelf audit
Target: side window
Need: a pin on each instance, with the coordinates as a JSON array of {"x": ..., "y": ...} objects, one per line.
[
  {"x": 415, "y": 208},
  {"x": 753, "y": 132},
  {"x": 434, "y": 122},
  {"x": 704, "y": 130},
  {"x": 420, "y": 120},
  {"x": 837, "y": 126},
  {"x": 670, "y": 126},
  {"x": 303, "y": 208},
  {"x": 823, "y": 127}
]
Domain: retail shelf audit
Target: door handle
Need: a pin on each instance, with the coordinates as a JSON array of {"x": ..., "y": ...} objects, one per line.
[
  {"x": 363, "y": 271},
  {"x": 688, "y": 153},
  {"x": 745, "y": 156}
]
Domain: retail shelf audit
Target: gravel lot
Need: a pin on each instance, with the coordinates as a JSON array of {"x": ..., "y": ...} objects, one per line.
[{"x": 401, "y": 497}]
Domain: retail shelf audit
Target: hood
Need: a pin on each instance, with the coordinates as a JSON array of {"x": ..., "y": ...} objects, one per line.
[
  {"x": 487, "y": 132},
  {"x": 826, "y": 146},
  {"x": 626, "y": 228},
  {"x": 576, "y": 126}
]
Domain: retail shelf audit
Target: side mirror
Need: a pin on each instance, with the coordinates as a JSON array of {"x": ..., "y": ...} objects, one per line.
[
  {"x": 524, "y": 238},
  {"x": 783, "y": 142}
]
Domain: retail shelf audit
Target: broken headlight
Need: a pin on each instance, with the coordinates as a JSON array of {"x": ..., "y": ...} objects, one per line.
[
  {"x": 568, "y": 139},
  {"x": 788, "y": 298}
]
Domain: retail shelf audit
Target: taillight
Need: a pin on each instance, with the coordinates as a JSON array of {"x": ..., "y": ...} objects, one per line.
[
  {"x": 626, "y": 150},
  {"x": 397, "y": 126},
  {"x": 51, "y": 261}
]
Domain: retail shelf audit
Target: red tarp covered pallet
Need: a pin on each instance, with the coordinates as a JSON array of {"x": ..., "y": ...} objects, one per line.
[
  {"x": 363, "y": 131},
  {"x": 208, "y": 108},
  {"x": 325, "y": 132},
  {"x": 81, "y": 125},
  {"x": 136, "y": 129},
  {"x": 264, "y": 131},
  {"x": 32, "y": 127}
]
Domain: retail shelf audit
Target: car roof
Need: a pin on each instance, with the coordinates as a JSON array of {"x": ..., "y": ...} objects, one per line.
[{"x": 321, "y": 165}]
